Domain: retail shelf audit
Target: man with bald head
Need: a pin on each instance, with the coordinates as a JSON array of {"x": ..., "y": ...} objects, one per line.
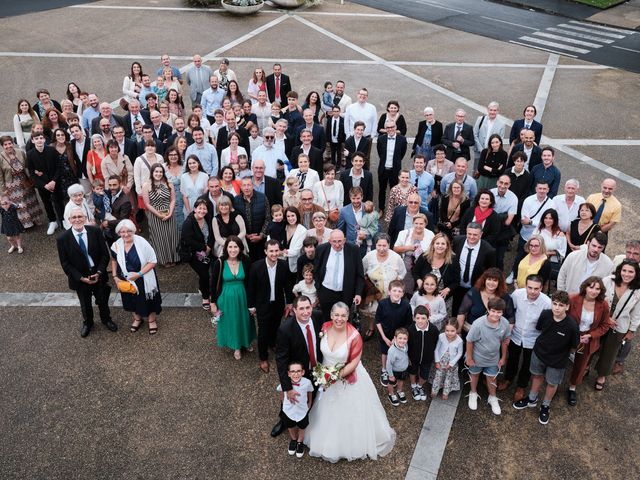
[
  {"x": 338, "y": 273},
  {"x": 265, "y": 184},
  {"x": 198, "y": 79},
  {"x": 458, "y": 137},
  {"x": 608, "y": 207},
  {"x": 402, "y": 218},
  {"x": 105, "y": 112}
]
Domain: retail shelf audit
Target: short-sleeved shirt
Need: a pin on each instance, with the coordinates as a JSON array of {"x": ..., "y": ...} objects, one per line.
[
  {"x": 297, "y": 411},
  {"x": 612, "y": 211},
  {"x": 556, "y": 339},
  {"x": 487, "y": 340}
]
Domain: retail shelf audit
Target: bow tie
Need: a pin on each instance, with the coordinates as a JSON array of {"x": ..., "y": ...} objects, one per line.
[{"x": 295, "y": 384}]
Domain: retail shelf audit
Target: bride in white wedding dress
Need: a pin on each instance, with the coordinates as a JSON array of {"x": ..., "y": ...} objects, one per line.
[{"x": 347, "y": 421}]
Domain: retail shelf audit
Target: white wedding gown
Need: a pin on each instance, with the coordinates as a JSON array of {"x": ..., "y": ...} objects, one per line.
[{"x": 348, "y": 420}]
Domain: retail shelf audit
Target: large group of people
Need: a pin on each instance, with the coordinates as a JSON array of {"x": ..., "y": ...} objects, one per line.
[{"x": 270, "y": 201}]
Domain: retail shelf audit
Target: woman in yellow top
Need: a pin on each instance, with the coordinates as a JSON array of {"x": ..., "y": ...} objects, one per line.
[{"x": 536, "y": 261}]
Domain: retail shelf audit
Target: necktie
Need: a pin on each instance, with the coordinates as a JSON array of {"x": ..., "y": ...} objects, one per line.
[
  {"x": 416, "y": 182},
  {"x": 83, "y": 247},
  {"x": 277, "y": 88},
  {"x": 312, "y": 351},
  {"x": 527, "y": 126},
  {"x": 458, "y": 129},
  {"x": 335, "y": 127},
  {"x": 467, "y": 266},
  {"x": 336, "y": 271},
  {"x": 596, "y": 219},
  {"x": 106, "y": 203}
]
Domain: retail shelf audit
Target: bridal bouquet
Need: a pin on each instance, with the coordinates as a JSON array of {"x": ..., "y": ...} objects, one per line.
[{"x": 326, "y": 375}]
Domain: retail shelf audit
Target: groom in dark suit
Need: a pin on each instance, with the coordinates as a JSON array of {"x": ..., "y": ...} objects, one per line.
[
  {"x": 298, "y": 340},
  {"x": 84, "y": 256}
]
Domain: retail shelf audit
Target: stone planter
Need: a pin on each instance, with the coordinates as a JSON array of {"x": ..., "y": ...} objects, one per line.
[
  {"x": 241, "y": 10},
  {"x": 288, "y": 3}
]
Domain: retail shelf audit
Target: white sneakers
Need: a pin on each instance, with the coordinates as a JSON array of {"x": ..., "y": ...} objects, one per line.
[
  {"x": 473, "y": 400},
  {"x": 510, "y": 279},
  {"x": 53, "y": 226},
  {"x": 495, "y": 406}
]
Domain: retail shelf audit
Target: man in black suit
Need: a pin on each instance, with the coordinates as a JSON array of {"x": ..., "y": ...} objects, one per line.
[
  {"x": 222, "y": 141},
  {"x": 458, "y": 137},
  {"x": 474, "y": 256},
  {"x": 392, "y": 148},
  {"x": 126, "y": 146},
  {"x": 268, "y": 298},
  {"x": 42, "y": 162},
  {"x": 147, "y": 136},
  {"x": 298, "y": 340},
  {"x": 314, "y": 154},
  {"x": 105, "y": 112},
  {"x": 266, "y": 184},
  {"x": 356, "y": 142},
  {"x": 335, "y": 135},
  {"x": 84, "y": 256},
  {"x": 339, "y": 274},
  {"x": 179, "y": 126},
  {"x": 402, "y": 218},
  {"x": 278, "y": 85},
  {"x": 436, "y": 132},
  {"x": 212, "y": 196},
  {"x": 357, "y": 176},
  {"x": 81, "y": 146},
  {"x": 318, "y": 138},
  {"x": 135, "y": 114},
  {"x": 529, "y": 148},
  {"x": 161, "y": 131}
]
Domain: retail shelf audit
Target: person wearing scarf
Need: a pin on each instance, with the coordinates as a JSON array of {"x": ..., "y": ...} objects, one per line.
[{"x": 484, "y": 215}]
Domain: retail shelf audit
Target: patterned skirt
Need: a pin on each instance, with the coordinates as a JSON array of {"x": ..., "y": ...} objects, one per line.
[{"x": 19, "y": 192}]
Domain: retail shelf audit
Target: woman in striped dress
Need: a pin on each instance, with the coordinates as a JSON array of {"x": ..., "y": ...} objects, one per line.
[{"x": 160, "y": 202}]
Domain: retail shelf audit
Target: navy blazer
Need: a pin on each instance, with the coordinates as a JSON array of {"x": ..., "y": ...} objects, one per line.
[
  {"x": 317, "y": 132},
  {"x": 165, "y": 133},
  {"x": 536, "y": 156},
  {"x": 128, "y": 120},
  {"x": 396, "y": 224},
  {"x": 348, "y": 224},
  {"x": 448, "y": 138},
  {"x": 518, "y": 125},
  {"x": 436, "y": 134}
]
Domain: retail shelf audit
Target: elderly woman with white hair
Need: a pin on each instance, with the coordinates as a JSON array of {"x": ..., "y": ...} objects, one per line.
[
  {"x": 133, "y": 260},
  {"x": 77, "y": 200},
  {"x": 429, "y": 135}
]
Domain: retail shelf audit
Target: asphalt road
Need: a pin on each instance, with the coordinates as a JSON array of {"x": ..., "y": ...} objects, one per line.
[
  {"x": 597, "y": 44},
  {"x": 11, "y": 8}
]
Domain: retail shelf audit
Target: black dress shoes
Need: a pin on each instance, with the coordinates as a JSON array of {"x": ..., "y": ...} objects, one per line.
[
  {"x": 85, "y": 330},
  {"x": 111, "y": 326},
  {"x": 277, "y": 429},
  {"x": 572, "y": 398}
]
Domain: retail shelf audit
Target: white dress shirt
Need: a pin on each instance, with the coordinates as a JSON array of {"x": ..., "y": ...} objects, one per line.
[
  {"x": 527, "y": 313},
  {"x": 463, "y": 261},
  {"x": 334, "y": 275}
]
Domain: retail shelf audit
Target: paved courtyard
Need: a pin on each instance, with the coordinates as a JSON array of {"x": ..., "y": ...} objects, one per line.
[{"x": 175, "y": 406}]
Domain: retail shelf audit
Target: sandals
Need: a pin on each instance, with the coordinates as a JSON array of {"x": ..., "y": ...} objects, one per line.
[
  {"x": 599, "y": 386},
  {"x": 153, "y": 330},
  {"x": 134, "y": 328},
  {"x": 237, "y": 355},
  {"x": 206, "y": 305},
  {"x": 369, "y": 335}
]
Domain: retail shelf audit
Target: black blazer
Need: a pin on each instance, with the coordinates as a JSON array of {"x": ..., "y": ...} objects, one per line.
[
  {"x": 222, "y": 141},
  {"x": 291, "y": 345},
  {"x": 130, "y": 150},
  {"x": 353, "y": 283},
  {"x": 216, "y": 273},
  {"x": 73, "y": 261},
  {"x": 535, "y": 159},
  {"x": 518, "y": 125},
  {"x": 259, "y": 289},
  {"x": 449, "y": 273},
  {"x": 436, "y": 134},
  {"x": 401, "y": 124},
  {"x": 315, "y": 159},
  {"x": 318, "y": 136},
  {"x": 192, "y": 237},
  {"x": 82, "y": 162},
  {"x": 95, "y": 123},
  {"x": 398, "y": 153},
  {"x": 329, "y": 125},
  {"x": 486, "y": 257},
  {"x": 350, "y": 146},
  {"x": 210, "y": 209},
  {"x": 165, "y": 133},
  {"x": 171, "y": 140},
  {"x": 285, "y": 87},
  {"x": 366, "y": 184},
  {"x": 140, "y": 148},
  {"x": 45, "y": 162},
  {"x": 449, "y": 137},
  {"x": 120, "y": 209},
  {"x": 128, "y": 122},
  {"x": 491, "y": 228},
  {"x": 396, "y": 224},
  {"x": 273, "y": 190}
]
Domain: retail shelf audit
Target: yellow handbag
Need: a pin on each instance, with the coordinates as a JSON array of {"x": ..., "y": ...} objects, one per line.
[{"x": 126, "y": 287}]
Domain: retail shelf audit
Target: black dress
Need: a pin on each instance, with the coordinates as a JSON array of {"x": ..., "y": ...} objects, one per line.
[
  {"x": 138, "y": 303},
  {"x": 574, "y": 235},
  {"x": 11, "y": 226},
  {"x": 66, "y": 175}
]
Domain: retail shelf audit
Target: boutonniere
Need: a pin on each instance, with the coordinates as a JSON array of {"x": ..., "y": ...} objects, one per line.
[{"x": 321, "y": 334}]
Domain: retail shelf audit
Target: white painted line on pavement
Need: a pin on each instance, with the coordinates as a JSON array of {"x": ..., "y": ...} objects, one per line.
[
  {"x": 573, "y": 41},
  {"x": 553, "y": 44},
  {"x": 602, "y": 27},
  {"x": 510, "y": 23},
  {"x": 436, "y": 5},
  {"x": 102, "y": 56},
  {"x": 627, "y": 49},
  {"x": 580, "y": 35},
  {"x": 542, "y": 95},
  {"x": 591, "y": 30},
  {"x": 542, "y": 48}
]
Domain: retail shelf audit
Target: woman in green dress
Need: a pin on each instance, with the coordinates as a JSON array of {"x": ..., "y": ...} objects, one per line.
[{"x": 229, "y": 276}]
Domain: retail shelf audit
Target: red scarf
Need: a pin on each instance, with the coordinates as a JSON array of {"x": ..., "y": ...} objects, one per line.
[
  {"x": 481, "y": 216},
  {"x": 354, "y": 345}
]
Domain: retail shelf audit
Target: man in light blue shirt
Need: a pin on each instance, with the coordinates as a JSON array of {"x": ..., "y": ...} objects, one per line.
[
  {"x": 166, "y": 63},
  {"x": 204, "y": 151},
  {"x": 422, "y": 179},
  {"x": 145, "y": 90},
  {"x": 506, "y": 206},
  {"x": 460, "y": 174},
  {"x": 212, "y": 99},
  {"x": 91, "y": 112}
]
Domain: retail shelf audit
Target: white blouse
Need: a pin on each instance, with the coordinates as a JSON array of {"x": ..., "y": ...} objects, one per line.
[
  {"x": 310, "y": 180},
  {"x": 553, "y": 242},
  {"x": 328, "y": 197},
  {"x": 404, "y": 240}
]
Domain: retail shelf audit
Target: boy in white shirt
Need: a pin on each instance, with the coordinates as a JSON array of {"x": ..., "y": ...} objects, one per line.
[{"x": 295, "y": 416}]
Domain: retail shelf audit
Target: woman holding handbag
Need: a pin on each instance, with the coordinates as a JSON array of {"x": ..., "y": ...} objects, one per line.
[
  {"x": 329, "y": 194},
  {"x": 117, "y": 164},
  {"x": 196, "y": 247},
  {"x": 581, "y": 229}
]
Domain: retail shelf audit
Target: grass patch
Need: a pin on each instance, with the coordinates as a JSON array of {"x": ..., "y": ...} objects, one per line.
[{"x": 600, "y": 3}]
